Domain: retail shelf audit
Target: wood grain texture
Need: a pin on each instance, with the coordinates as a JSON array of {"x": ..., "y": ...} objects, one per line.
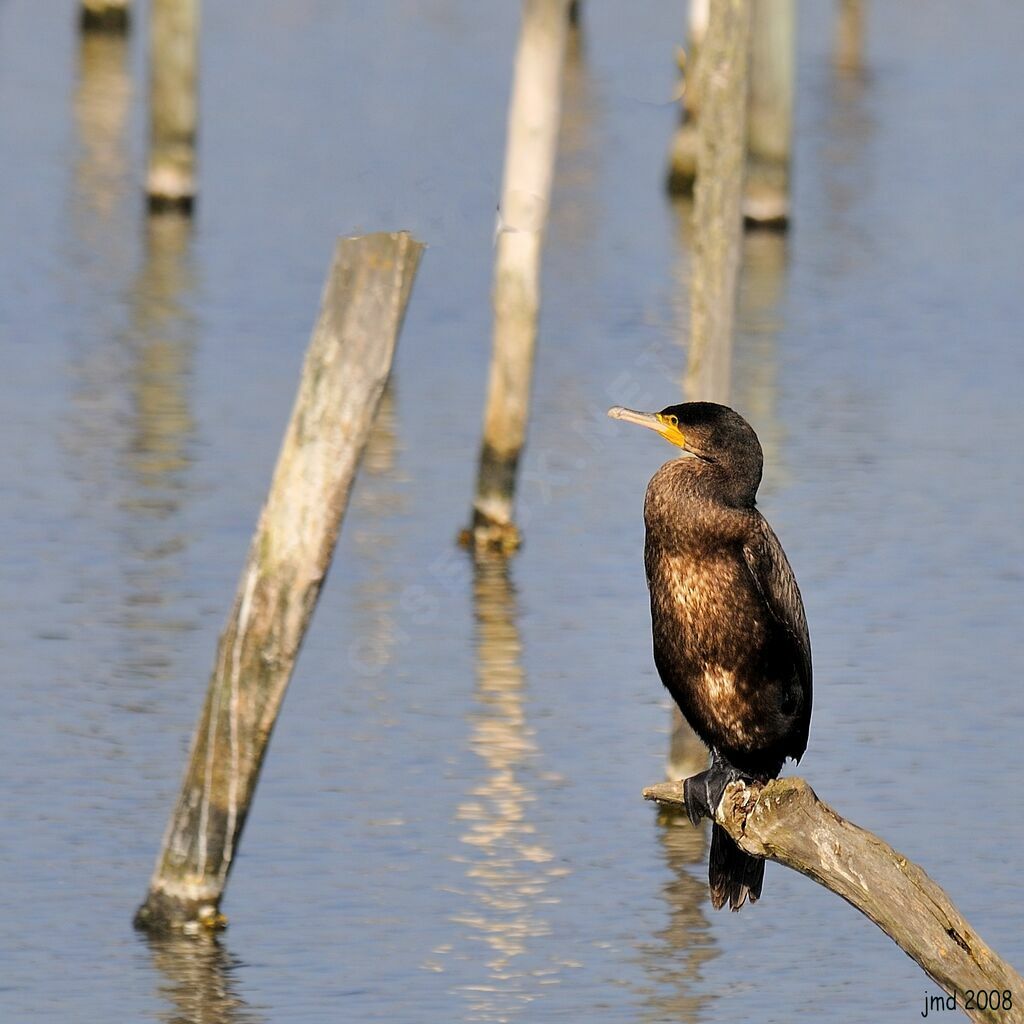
[
  {"x": 784, "y": 821},
  {"x": 345, "y": 370}
]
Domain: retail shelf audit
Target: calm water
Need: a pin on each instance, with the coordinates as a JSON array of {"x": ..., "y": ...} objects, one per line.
[{"x": 449, "y": 825}]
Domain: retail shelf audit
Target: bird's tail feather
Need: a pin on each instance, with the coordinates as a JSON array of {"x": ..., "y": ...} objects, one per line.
[{"x": 733, "y": 875}]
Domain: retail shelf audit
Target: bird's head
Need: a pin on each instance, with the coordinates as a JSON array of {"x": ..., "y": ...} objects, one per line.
[{"x": 718, "y": 437}]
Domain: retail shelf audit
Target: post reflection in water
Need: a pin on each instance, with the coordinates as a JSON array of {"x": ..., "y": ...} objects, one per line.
[
  {"x": 674, "y": 960},
  {"x": 574, "y": 217},
  {"x": 160, "y": 342},
  {"x": 744, "y": 376},
  {"x": 706, "y": 379},
  {"x": 102, "y": 102},
  {"x": 130, "y": 426},
  {"x": 508, "y": 867},
  {"x": 759, "y": 319},
  {"x": 378, "y": 497},
  {"x": 199, "y": 982}
]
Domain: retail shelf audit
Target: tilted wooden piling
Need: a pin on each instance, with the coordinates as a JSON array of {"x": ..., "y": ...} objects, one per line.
[
  {"x": 105, "y": 15},
  {"x": 770, "y": 112},
  {"x": 717, "y": 237},
  {"x": 785, "y": 821},
  {"x": 345, "y": 370},
  {"x": 717, "y": 217},
  {"x": 173, "y": 104},
  {"x": 529, "y": 168}
]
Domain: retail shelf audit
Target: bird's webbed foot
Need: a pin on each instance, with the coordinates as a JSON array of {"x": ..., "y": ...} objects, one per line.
[{"x": 703, "y": 793}]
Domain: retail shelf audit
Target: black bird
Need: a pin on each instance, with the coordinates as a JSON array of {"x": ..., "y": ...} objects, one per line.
[{"x": 730, "y": 634}]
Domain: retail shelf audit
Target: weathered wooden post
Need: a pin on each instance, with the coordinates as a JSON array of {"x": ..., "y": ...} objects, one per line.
[
  {"x": 173, "y": 104},
  {"x": 105, "y": 15},
  {"x": 529, "y": 167},
  {"x": 785, "y": 821},
  {"x": 345, "y": 370},
  {"x": 717, "y": 234},
  {"x": 717, "y": 217},
  {"x": 770, "y": 112},
  {"x": 849, "y": 47},
  {"x": 682, "y": 164}
]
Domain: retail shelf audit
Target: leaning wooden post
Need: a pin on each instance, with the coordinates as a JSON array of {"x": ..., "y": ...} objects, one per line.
[
  {"x": 345, "y": 370},
  {"x": 717, "y": 217},
  {"x": 718, "y": 229},
  {"x": 784, "y": 821},
  {"x": 531, "y": 145},
  {"x": 105, "y": 15},
  {"x": 173, "y": 106},
  {"x": 770, "y": 112}
]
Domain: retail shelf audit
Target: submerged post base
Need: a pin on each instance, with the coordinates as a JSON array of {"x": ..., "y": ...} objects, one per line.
[
  {"x": 492, "y": 528},
  {"x": 682, "y": 162},
  {"x": 170, "y": 189},
  {"x": 99, "y": 16},
  {"x": 163, "y": 914},
  {"x": 486, "y": 536}
]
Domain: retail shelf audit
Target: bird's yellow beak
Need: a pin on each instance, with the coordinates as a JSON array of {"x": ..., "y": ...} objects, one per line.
[{"x": 667, "y": 426}]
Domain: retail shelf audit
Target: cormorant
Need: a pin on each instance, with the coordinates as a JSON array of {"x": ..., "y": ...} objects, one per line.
[{"x": 730, "y": 634}]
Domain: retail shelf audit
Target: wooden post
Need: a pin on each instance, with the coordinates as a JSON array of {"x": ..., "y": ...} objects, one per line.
[
  {"x": 784, "y": 821},
  {"x": 717, "y": 237},
  {"x": 345, "y": 370},
  {"x": 529, "y": 167},
  {"x": 682, "y": 164},
  {"x": 770, "y": 112},
  {"x": 849, "y": 51},
  {"x": 173, "y": 106},
  {"x": 717, "y": 218},
  {"x": 105, "y": 15}
]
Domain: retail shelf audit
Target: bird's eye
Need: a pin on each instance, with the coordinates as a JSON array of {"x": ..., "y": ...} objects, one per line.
[{"x": 673, "y": 421}]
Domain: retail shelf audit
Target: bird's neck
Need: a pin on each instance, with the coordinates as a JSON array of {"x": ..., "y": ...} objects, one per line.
[{"x": 689, "y": 500}]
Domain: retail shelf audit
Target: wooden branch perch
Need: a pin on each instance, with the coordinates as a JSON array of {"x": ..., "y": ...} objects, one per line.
[{"x": 784, "y": 821}]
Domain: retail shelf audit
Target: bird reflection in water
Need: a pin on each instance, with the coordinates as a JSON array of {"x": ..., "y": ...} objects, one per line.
[
  {"x": 199, "y": 982},
  {"x": 160, "y": 342},
  {"x": 508, "y": 866},
  {"x": 673, "y": 961}
]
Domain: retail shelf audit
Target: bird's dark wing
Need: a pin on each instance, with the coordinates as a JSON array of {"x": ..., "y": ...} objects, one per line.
[{"x": 774, "y": 579}]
